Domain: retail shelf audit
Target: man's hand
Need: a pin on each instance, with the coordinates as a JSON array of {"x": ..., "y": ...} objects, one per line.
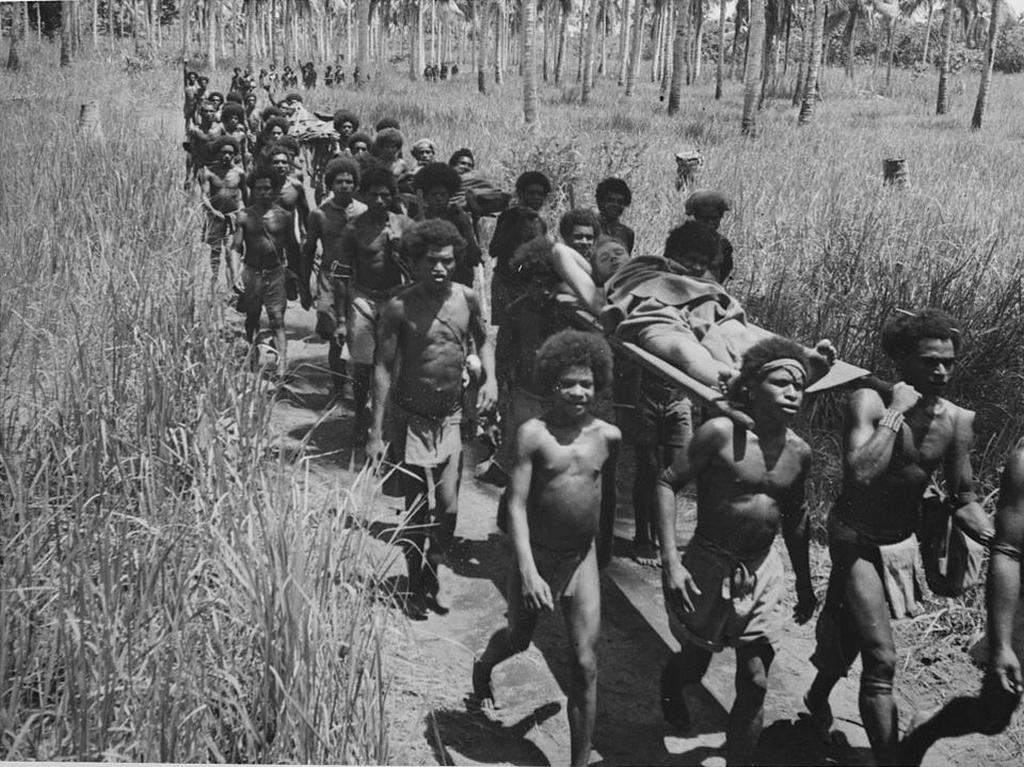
[
  {"x": 904, "y": 397},
  {"x": 680, "y": 588},
  {"x": 488, "y": 396},
  {"x": 974, "y": 522},
  {"x": 806, "y": 604},
  {"x": 1006, "y": 668},
  {"x": 305, "y": 299},
  {"x": 536, "y": 592},
  {"x": 376, "y": 450}
]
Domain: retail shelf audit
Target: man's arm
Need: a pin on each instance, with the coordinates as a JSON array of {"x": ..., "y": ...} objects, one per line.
[
  {"x": 609, "y": 497},
  {"x": 205, "y": 188},
  {"x": 238, "y": 243},
  {"x": 574, "y": 270},
  {"x": 478, "y": 330},
  {"x": 312, "y": 237},
  {"x": 1004, "y": 573},
  {"x": 536, "y": 592},
  {"x": 795, "y": 531},
  {"x": 384, "y": 361},
  {"x": 968, "y": 514},
  {"x": 872, "y": 429},
  {"x": 706, "y": 442}
]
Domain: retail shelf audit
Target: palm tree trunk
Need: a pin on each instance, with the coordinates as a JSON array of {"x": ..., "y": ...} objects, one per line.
[
  {"x": 657, "y": 21},
  {"x": 889, "y": 53},
  {"x": 362, "y": 23},
  {"x": 668, "y": 58},
  {"x": 588, "y": 52},
  {"x": 13, "y": 60},
  {"x": 850, "y": 38},
  {"x": 65, "y": 33},
  {"x": 927, "y": 33},
  {"x": 499, "y": 40},
  {"x": 481, "y": 8},
  {"x": 986, "y": 73},
  {"x": 942, "y": 100},
  {"x": 529, "y": 63},
  {"x": 624, "y": 42},
  {"x": 813, "y": 63},
  {"x": 803, "y": 54},
  {"x": 636, "y": 45},
  {"x": 720, "y": 63},
  {"x": 678, "y": 55},
  {"x": 563, "y": 40},
  {"x": 752, "y": 80}
]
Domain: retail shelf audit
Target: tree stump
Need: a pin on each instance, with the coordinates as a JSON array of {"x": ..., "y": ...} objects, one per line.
[
  {"x": 89, "y": 120},
  {"x": 688, "y": 162},
  {"x": 894, "y": 172}
]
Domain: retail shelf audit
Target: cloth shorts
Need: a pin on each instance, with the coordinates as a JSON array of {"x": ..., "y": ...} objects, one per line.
[
  {"x": 217, "y": 230},
  {"x": 722, "y": 617},
  {"x": 265, "y": 289},
  {"x": 427, "y": 441},
  {"x": 362, "y": 328}
]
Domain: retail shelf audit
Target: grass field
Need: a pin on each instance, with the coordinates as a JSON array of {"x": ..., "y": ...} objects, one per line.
[{"x": 168, "y": 591}]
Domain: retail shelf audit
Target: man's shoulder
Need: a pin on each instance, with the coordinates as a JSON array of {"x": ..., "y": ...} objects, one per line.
[
  {"x": 609, "y": 431},
  {"x": 865, "y": 402}
]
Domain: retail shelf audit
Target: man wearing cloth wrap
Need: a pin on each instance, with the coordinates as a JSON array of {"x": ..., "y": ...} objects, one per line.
[
  {"x": 422, "y": 342},
  {"x": 728, "y": 588},
  {"x": 891, "y": 450}
]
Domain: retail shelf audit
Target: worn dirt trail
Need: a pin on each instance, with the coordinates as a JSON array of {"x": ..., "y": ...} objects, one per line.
[{"x": 430, "y": 660}]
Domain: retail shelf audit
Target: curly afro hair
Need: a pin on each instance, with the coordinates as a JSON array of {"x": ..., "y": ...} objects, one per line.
[
  {"x": 223, "y": 141},
  {"x": 534, "y": 257},
  {"x": 531, "y": 177},
  {"x": 433, "y": 233},
  {"x": 692, "y": 237},
  {"x": 614, "y": 186},
  {"x": 900, "y": 334},
  {"x": 759, "y": 355},
  {"x": 388, "y": 137},
  {"x": 357, "y": 138},
  {"x": 232, "y": 109},
  {"x": 269, "y": 112},
  {"x": 343, "y": 116},
  {"x": 578, "y": 217},
  {"x": 437, "y": 174},
  {"x": 377, "y": 175},
  {"x": 278, "y": 122},
  {"x": 257, "y": 173},
  {"x": 340, "y": 165},
  {"x": 568, "y": 348},
  {"x": 387, "y": 122},
  {"x": 460, "y": 153}
]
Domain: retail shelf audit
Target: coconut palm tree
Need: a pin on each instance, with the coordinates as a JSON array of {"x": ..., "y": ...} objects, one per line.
[
  {"x": 65, "y": 33},
  {"x": 720, "y": 63},
  {"x": 529, "y": 33},
  {"x": 635, "y": 46},
  {"x": 678, "y": 55},
  {"x": 17, "y": 30},
  {"x": 752, "y": 82},
  {"x": 813, "y": 64},
  {"x": 998, "y": 15},
  {"x": 588, "y": 50},
  {"x": 942, "y": 100}
]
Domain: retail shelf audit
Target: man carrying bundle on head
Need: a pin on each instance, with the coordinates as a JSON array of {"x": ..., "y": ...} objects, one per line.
[
  {"x": 728, "y": 588},
  {"x": 892, "y": 448}
]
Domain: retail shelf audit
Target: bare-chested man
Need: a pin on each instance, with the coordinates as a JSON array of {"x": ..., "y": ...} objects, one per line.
[
  {"x": 728, "y": 588},
  {"x": 264, "y": 234},
  {"x": 325, "y": 227},
  {"x": 992, "y": 709},
  {"x": 224, "y": 193},
  {"x": 561, "y": 507},
  {"x": 232, "y": 118},
  {"x": 371, "y": 245},
  {"x": 892, "y": 449},
  {"x": 295, "y": 197},
  {"x": 201, "y": 135},
  {"x": 423, "y": 340}
]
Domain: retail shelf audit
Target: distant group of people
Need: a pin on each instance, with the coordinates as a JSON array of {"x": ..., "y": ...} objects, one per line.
[
  {"x": 433, "y": 72},
  {"x": 392, "y": 247}
]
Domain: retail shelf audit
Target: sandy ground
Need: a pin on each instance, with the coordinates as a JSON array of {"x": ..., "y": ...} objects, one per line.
[{"x": 429, "y": 720}]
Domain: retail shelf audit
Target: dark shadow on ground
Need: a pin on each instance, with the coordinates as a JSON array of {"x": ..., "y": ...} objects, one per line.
[
  {"x": 474, "y": 735},
  {"x": 794, "y": 742}
]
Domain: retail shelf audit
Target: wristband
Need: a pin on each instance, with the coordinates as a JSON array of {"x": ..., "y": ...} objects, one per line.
[{"x": 892, "y": 419}]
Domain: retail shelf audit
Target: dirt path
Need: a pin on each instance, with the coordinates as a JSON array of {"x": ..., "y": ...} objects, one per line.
[{"x": 430, "y": 660}]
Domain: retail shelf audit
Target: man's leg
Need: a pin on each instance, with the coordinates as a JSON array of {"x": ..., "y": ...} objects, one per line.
[
  {"x": 746, "y": 720},
  {"x": 869, "y": 610},
  {"x": 448, "y": 478},
  {"x": 644, "y": 482},
  {"x": 276, "y": 302},
  {"x": 414, "y": 537},
  {"x": 582, "y": 610},
  {"x": 989, "y": 713},
  {"x": 505, "y": 642},
  {"x": 681, "y": 669}
]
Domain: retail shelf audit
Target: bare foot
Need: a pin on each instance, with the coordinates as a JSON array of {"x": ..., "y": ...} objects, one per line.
[
  {"x": 483, "y": 695},
  {"x": 820, "y": 720},
  {"x": 912, "y": 750},
  {"x": 645, "y": 554}
]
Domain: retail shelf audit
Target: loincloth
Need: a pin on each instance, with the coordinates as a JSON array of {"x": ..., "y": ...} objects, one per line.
[
  {"x": 558, "y": 568},
  {"x": 421, "y": 440},
  {"x": 740, "y": 602}
]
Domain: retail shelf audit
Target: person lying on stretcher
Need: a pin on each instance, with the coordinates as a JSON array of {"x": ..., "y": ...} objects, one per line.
[{"x": 672, "y": 305}]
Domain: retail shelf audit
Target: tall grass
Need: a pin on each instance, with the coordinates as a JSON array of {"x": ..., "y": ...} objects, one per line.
[{"x": 167, "y": 591}]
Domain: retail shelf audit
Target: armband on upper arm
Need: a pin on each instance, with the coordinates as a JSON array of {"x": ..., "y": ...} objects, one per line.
[{"x": 1006, "y": 549}]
